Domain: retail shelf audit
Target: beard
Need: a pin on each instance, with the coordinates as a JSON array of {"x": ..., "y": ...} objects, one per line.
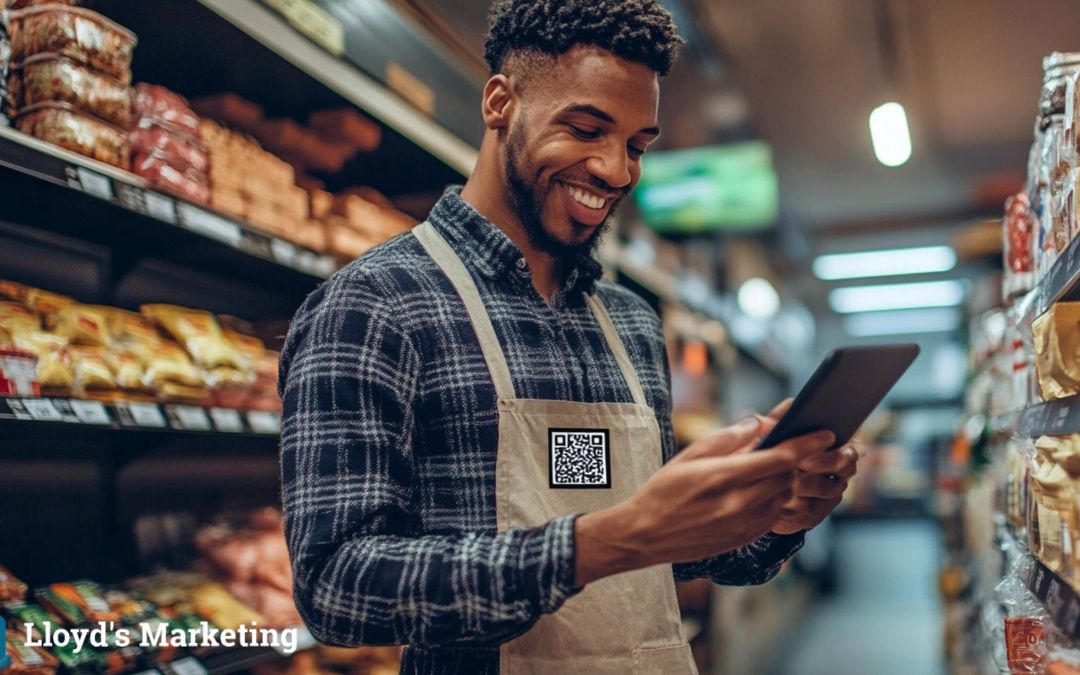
[{"x": 526, "y": 200}]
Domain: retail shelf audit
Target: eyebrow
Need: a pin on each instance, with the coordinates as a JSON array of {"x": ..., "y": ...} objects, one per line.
[{"x": 599, "y": 114}]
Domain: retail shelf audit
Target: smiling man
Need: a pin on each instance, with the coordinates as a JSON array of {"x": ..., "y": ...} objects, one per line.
[{"x": 475, "y": 423}]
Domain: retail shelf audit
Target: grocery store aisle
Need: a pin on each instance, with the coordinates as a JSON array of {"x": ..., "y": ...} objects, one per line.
[{"x": 885, "y": 618}]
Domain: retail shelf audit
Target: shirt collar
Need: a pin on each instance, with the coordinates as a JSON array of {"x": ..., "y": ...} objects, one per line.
[{"x": 480, "y": 243}]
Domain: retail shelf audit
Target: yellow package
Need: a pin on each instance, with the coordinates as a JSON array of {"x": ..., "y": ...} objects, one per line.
[
  {"x": 128, "y": 369},
  {"x": 1057, "y": 350},
  {"x": 92, "y": 372},
  {"x": 82, "y": 324},
  {"x": 54, "y": 369},
  {"x": 167, "y": 363},
  {"x": 214, "y": 603},
  {"x": 44, "y": 302},
  {"x": 199, "y": 333}
]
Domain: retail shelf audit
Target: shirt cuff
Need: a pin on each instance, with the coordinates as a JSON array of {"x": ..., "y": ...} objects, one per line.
[{"x": 559, "y": 540}]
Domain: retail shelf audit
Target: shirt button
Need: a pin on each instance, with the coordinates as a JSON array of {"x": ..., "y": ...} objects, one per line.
[{"x": 521, "y": 263}]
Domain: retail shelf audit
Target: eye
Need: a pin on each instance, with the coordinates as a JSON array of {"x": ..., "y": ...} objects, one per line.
[{"x": 585, "y": 134}]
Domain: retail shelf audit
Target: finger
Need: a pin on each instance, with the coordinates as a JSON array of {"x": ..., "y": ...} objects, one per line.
[
  {"x": 725, "y": 441},
  {"x": 804, "y": 447},
  {"x": 842, "y": 462},
  {"x": 745, "y": 468},
  {"x": 819, "y": 486},
  {"x": 780, "y": 408}
]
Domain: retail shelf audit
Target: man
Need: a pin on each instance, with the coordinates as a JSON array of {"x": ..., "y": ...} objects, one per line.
[{"x": 475, "y": 422}]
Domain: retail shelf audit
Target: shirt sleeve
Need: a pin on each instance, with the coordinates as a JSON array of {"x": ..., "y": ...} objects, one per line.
[
  {"x": 349, "y": 379},
  {"x": 753, "y": 564}
]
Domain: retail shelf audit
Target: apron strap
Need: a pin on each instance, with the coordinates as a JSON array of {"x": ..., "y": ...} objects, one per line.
[
  {"x": 618, "y": 349},
  {"x": 463, "y": 283}
]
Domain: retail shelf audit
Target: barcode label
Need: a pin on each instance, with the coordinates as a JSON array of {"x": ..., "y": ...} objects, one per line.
[
  {"x": 227, "y": 420},
  {"x": 90, "y": 412},
  {"x": 94, "y": 183},
  {"x": 161, "y": 207}
]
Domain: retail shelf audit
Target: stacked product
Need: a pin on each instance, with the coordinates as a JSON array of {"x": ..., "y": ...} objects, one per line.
[
  {"x": 5, "y": 66},
  {"x": 166, "y": 353},
  {"x": 250, "y": 183},
  {"x": 70, "y": 82},
  {"x": 358, "y": 219},
  {"x": 165, "y": 147}
]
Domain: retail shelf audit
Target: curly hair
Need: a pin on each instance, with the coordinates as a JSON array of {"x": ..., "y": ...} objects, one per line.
[{"x": 641, "y": 31}]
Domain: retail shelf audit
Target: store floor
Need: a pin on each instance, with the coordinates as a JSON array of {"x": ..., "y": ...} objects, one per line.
[{"x": 885, "y": 618}]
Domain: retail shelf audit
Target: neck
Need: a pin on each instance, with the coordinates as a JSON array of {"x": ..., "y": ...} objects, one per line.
[{"x": 492, "y": 202}]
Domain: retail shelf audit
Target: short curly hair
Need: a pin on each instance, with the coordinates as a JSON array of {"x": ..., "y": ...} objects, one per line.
[{"x": 641, "y": 31}]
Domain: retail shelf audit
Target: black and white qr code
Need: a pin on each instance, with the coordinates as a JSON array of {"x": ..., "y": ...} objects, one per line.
[{"x": 579, "y": 458}]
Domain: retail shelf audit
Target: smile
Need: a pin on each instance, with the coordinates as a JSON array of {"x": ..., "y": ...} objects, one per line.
[{"x": 584, "y": 198}]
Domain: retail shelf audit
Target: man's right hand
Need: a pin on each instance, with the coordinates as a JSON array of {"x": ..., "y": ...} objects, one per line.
[{"x": 713, "y": 497}]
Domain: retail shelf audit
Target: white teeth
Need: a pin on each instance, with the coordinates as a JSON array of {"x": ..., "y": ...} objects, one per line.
[{"x": 585, "y": 198}]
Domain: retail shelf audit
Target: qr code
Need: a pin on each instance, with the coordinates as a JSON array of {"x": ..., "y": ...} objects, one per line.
[{"x": 579, "y": 458}]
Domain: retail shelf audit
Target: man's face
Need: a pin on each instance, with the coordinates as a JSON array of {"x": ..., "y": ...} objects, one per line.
[{"x": 574, "y": 146}]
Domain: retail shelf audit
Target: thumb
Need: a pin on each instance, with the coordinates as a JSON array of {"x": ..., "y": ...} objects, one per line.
[{"x": 726, "y": 441}]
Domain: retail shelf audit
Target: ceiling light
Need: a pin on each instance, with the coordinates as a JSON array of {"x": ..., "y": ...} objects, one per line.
[
  {"x": 889, "y": 132},
  {"x": 904, "y": 322},
  {"x": 895, "y": 262},
  {"x": 758, "y": 299},
  {"x": 896, "y": 296}
]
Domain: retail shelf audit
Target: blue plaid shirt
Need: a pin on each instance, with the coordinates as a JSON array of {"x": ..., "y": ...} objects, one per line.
[{"x": 389, "y": 440}]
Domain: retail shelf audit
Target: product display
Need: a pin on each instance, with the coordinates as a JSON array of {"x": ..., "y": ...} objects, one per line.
[
  {"x": 47, "y": 77},
  {"x": 65, "y": 125},
  {"x": 77, "y": 33}
]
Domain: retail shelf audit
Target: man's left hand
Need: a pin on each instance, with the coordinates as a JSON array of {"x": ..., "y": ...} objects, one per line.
[{"x": 819, "y": 487}]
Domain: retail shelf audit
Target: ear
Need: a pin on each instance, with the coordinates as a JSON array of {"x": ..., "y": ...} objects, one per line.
[{"x": 498, "y": 102}]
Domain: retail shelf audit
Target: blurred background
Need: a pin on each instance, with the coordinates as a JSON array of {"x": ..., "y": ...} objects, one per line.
[{"x": 830, "y": 173}]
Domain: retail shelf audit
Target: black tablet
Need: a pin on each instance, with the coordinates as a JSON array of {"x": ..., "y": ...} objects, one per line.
[{"x": 843, "y": 391}]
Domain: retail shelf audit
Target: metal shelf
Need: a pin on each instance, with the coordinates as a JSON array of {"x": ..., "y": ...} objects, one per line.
[
  {"x": 1060, "y": 283},
  {"x": 1049, "y": 418}
]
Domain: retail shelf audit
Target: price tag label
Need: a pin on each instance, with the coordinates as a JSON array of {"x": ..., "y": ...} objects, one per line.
[
  {"x": 227, "y": 420},
  {"x": 90, "y": 412},
  {"x": 188, "y": 418},
  {"x": 209, "y": 224},
  {"x": 264, "y": 422},
  {"x": 284, "y": 252},
  {"x": 42, "y": 410},
  {"x": 187, "y": 666},
  {"x": 160, "y": 207},
  {"x": 94, "y": 183},
  {"x": 141, "y": 415}
]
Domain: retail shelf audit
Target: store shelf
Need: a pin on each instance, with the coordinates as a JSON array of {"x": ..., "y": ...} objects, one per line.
[
  {"x": 68, "y": 194},
  {"x": 1060, "y": 600},
  {"x": 85, "y": 416},
  {"x": 224, "y": 661},
  {"x": 1062, "y": 282},
  {"x": 1049, "y": 418}
]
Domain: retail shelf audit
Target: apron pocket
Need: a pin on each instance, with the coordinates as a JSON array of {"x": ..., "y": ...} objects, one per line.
[{"x": 670, "y": 660}]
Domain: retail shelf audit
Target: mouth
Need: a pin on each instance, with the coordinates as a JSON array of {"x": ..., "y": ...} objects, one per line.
[{"x": 585, "y": 206}]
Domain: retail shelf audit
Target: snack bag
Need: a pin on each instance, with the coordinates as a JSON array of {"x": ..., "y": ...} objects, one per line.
[{"x": 200, "y": 335}]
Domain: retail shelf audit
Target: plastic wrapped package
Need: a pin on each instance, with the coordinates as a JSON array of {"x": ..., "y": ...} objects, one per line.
[
  {"x": 28, "y": 660},
  {"x": 152, "y": 101},
  {"x": 65, "y": 125},
  {"x": 1056, "y": 336},
  {"x": 11, "y": 587},
  {"x": 160, "y": 172},
  {"x": 18, "y": 372},
  {"x": 7, "y": 109},
  {"x": 52, "y": 77},
  {"x": 80, "y": 34},
  {"x": 1026, "y": 621},
  {"x": 1018, "y": 228},
  {"x": 182, "y": 150},
  {"x": 93, "y": 377},
  {"x": 80, "y": 324},
  {"x": 23, "y": 4},
  {"x": 199, "y": 333}
]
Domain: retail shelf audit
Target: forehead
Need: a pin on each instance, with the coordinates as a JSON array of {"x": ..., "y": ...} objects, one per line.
[{"x": 629, "y": 91}]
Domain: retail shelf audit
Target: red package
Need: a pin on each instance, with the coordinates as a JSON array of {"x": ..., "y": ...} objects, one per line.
[
  {"x": 189, "y": 184},
  {"x": 183, "y": 150},
  {"x": 152, "y": 100},
  {"x": 1024, "y": 644}
]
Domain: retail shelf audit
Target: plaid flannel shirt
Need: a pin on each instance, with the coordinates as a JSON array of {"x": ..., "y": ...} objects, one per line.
[{"x": 389, "y": 440}]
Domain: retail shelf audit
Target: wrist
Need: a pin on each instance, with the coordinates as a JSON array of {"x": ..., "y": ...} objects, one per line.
[{"x": 605, "y": 544}]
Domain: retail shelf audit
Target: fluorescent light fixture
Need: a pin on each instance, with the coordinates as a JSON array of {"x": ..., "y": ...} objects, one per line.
[
  {"x": 889, "y": 132},
  {"x": 896, "y": 296},
  {"x": 903, "y": 322},
  {"x": 758, "y": 299},
  {"x": 894, "y": 262}
]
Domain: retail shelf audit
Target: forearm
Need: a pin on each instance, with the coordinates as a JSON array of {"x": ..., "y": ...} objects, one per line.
[
  {"x": 604, "y": 545},
  {"x": 437, "y": 589},
  {"x": 750, "y": 565}
]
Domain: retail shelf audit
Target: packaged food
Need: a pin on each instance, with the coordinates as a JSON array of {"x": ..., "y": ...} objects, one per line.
[
  {"x": 1018, "y": 229},
  {"x": 167, "y": 363},
  {"x": 22, "y": 4},
  {"x": 230, "y": 108},
  {"x": 1025, "y": 645},
  {"x": 65, "y": 125},
  {"x": 7, "y": 110},
  {"x": 80, "y": 324},
  {"x": 27, "y": 660},
  {"x": 1056, "y": 337},
  {"x": 163, "y": 174},
  {"x": 345, "y": 124},
  {"x": 200, "y": 335},
  {"x": 18, "y": 373},
  {"x": 93, "y": 377},
  {"x": 182, "y": 150},
  {"x": 79, "y": 34},
  {"x": 43, "y": 302},
  {"x": 158, "y": 103},
  {"x": 62, "y": 601},
  {"x": 54, "y": 370},
  {"x": 214, "y": 603},
  {"x": 51, "y": 77},
  {"x": 11, "y": 588},
  {"x": 128, "y": 369}
]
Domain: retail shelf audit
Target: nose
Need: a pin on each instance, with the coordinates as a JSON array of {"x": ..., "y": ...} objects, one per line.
[{"x": 611, "y": 165}]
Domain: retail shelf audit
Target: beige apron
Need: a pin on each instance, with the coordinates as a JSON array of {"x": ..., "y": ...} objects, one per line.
[{"x": 627, "y": 623}]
